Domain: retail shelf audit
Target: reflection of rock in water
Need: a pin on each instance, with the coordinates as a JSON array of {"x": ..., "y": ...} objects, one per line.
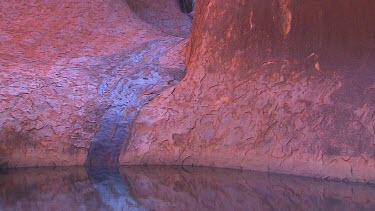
[
  {"x": 63, "y": 188},
  {"x": 165, "y": 188},
  {"x": 112, "y": 189},
  {"x": 168, "y": 188}
]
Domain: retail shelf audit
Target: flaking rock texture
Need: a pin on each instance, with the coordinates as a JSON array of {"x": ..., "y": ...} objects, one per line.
[
  {"x": 275, "y": 85},
  {"x": 73, "y": 75}
]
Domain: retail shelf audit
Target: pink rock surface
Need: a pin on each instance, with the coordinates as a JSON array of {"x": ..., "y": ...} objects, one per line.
[
  {"x": 274, "y": 85},
  {"x": 281, "y": 86},
  {"x": 74, "y": 73}
]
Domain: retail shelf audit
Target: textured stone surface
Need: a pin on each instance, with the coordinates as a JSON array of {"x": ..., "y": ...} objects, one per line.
[
  {"x": 283, "y": 86},
  {"x": 74, "y": 73},
  {"x": 272, "y": 85}
]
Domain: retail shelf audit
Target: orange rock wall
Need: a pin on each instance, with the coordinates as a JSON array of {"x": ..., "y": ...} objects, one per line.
[
  {"x": 285, "y": 86},
  {"x": 280, "y": 86}
]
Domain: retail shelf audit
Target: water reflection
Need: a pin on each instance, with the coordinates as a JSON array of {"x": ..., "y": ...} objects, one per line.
[
  {"x": 113, "y": 190},
  {"x": 167, "y": 188}
]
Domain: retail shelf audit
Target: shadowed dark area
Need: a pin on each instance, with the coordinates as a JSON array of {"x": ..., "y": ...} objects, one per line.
[
  {"x": 186, "y": 6},
  {"x": 164, "y": 15},
  {"x": 174, "y": 188}
]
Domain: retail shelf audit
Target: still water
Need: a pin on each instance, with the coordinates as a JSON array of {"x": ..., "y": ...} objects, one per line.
[{"x": 169, "y": 188}]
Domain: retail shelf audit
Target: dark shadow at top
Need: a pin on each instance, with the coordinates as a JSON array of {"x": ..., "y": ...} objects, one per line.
[
  {"x": 165, "y": 15},
  {"x": 186, "y": 6}
]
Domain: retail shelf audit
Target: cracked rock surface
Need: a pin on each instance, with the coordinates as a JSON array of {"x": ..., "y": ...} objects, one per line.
[
  {"x": 277, "y": 85},
  {"x": 73, "y": 75},
  {"x": 284, "y": 86}
]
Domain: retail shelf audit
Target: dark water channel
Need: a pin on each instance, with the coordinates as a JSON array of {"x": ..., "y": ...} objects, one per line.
[{"x": 170, "y": 188}]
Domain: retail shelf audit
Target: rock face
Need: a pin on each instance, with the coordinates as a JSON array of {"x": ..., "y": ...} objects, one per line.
[
  {"x": 274, "y": 85},
  {"x": 74, "y": 73}
]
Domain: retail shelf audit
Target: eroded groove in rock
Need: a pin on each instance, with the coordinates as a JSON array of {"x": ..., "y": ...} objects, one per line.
[
  {"x": 128, "y": 94},
  {"x": 76, "y": 72}
]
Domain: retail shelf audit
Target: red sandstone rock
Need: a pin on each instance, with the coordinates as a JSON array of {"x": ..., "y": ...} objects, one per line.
[
  {"x": 275, "y": 85},
  {"x": 74, "y": 73},
  {"x": 281, "y": 86}
]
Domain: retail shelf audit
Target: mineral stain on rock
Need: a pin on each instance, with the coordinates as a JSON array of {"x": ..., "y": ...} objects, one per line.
[{"x": 128, "y": 94}]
